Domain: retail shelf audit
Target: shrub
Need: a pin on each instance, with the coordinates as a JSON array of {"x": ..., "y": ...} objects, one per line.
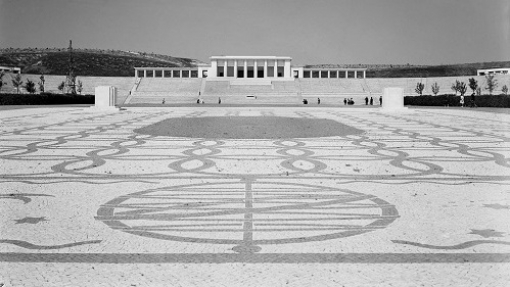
[
  {"x": 61, "y": 86},
  {"x": 1, "y": 77},
  {"x": 435, "y": 88},
  {"x": 45, "y": 99},
  {"x": 505, "y": 90},
  {"x": 473, "y": 84},
  {"x": 419, "y": 88},
  {"x": 462, "y": 88},
  {"x": 491, "y": 83},
  {"x": 41, "y": 83},
  {"x": 17, "y": 82},
  {"x": 30, "y": 86},
  {"x": 500, "y": 101}
]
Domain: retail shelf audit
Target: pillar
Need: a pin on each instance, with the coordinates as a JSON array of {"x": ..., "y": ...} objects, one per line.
[
  {"x": 245, "y": 69},
  {"x": 286, "y": 69},
  {"x": 255, "y": 69},
  {"x": 265, "y": 68},
  {"x": 145, "y": 73},
  {"x": 235, "y": 69}
]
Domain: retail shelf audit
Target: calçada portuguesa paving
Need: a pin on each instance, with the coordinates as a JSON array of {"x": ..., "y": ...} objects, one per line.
[{"x": 239, "y": 196}]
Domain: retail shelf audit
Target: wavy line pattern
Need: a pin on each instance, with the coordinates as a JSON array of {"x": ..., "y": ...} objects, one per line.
[
  {"x": 28, "y": 245},
  {"x": 464, "y": 245}
]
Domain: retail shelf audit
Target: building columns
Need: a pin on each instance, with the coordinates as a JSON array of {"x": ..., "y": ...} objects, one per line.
[{"x": 246, "y": 68}]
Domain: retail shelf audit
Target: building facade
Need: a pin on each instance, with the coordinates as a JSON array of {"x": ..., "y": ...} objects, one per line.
[{"x": 274, "y": 68}]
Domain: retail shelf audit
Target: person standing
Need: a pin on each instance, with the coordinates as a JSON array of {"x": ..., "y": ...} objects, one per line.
[
  {"x": 345, "y": 101},
  {"x": 462, "y": 100},
  {"x": 473, "y": 100},
  {"x": 318, "y": 101},
  {"x": 366, "y": 101},
  {"x": 380, "y": 100},
  {"x": 371, "y": 101}
]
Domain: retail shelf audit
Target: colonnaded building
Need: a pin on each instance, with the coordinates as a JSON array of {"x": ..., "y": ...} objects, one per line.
[{"x": 237, "y": 80}]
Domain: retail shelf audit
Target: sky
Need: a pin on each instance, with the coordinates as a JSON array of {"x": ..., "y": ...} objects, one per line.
[{"x": 429, "y": 32}]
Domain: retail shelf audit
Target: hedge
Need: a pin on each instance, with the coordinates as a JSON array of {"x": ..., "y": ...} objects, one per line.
[
  {"x": 499, "y": 101},
  {"x": 45, "y": 99}
]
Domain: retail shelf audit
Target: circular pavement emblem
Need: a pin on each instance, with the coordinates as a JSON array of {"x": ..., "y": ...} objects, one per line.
[{"x": 247, "y": 214}]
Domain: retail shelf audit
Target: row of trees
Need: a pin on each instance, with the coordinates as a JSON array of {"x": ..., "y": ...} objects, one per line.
[
  {"x": 461, "y": 87},
  {"x": 30, "y": 87}
]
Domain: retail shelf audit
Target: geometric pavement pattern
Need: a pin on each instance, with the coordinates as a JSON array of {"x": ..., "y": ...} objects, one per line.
[{"x": 428, "y": 187}]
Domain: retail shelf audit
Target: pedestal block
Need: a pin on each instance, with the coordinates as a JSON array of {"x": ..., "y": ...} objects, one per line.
[
  {"x": 105, "y": 97},
  {"x": 393, "y": 100}
]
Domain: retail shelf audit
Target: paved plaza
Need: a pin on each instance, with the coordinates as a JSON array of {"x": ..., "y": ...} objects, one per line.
[{"x": 260, "y": 196}]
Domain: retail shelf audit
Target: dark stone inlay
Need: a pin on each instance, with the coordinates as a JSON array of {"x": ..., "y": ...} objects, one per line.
[
  {"x": 31, "y": 220},
  {"x": 267, "y": 258},
  {"x": 247, "y": 214},
  {"x": 486, "y": 233},
  {"x": 267, "y": 127},
  {"x": 29, "y": 245},
  {"x": 466, "y": 244}
]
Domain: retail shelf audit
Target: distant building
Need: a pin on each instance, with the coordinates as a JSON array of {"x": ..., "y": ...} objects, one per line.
[
  {"x": 15, "y": 70},
  {"x": 250, "y": 67},
  {"x": 499, "y": 71}
]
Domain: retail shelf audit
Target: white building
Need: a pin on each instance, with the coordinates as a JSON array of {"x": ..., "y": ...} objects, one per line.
[
  {"x": 273, "y": 68},
  {"x": 500, "y": 71},
  {"x": 15, "y": 70}
]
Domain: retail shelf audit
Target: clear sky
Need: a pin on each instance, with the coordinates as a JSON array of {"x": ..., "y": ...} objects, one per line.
[{"x": 309, "y": 31}]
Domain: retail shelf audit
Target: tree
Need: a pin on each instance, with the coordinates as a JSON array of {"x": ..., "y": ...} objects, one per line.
[
  {"x": 41, "y": 83},
  {"x": 29, "y": 86},
  {"x": 61, "y": 86},
  {"x": 79, "y": 87},
  {"x": 492, "y": 83},
  {"x": 455, "y": 86},
  {"x": 17, "y": 82},
  {"x": 505, "y": 90},
  {"x": 435, "y": 88},
  {"x": 478, "y": 91},
  {"x": 419, "y": 88},
  {"x": 473, "y": 84},
  {"x": 2, "y": 74},
  {"x": 462, "y": 88}
]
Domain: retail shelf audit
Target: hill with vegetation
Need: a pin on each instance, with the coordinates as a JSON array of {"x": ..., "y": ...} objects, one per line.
[
  {"x": 87, "y": 62},
  {"x": 116, "y": 63},
  {"x": 419, "y": 71}
]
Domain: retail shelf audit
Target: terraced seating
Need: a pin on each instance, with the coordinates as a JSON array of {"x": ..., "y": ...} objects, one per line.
[
  {"x": 259, "y": 99},
  {"x": 332, "y": 87},
  {"x": 172, "y": 91},
  {"x": 216, "y": 87}
]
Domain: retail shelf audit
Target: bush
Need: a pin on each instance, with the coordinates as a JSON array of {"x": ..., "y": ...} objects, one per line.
[
  {"x": 45, "y": 99},
  {"x": 500, "y": 101}
]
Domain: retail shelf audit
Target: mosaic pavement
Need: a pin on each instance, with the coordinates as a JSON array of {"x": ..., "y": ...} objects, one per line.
[{"x": 360, "y": 198}]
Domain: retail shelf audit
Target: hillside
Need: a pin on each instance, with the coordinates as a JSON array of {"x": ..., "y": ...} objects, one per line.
[
  {"x": 115, "y": 63},
  {"x": 87, "y": 62}
]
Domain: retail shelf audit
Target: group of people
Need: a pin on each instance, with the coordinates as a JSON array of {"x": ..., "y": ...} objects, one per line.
[
  {"x": 348, "y": 101},
  {"x": 371, "y": 101}
]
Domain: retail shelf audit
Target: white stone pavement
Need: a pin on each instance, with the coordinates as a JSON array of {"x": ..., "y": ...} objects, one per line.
[{"x": 416, "y": 199}]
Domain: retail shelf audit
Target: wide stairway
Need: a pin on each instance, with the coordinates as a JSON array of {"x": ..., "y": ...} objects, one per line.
[
  {"x": 252, "y": 91},
  {"x": 165, "y": 90}
]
